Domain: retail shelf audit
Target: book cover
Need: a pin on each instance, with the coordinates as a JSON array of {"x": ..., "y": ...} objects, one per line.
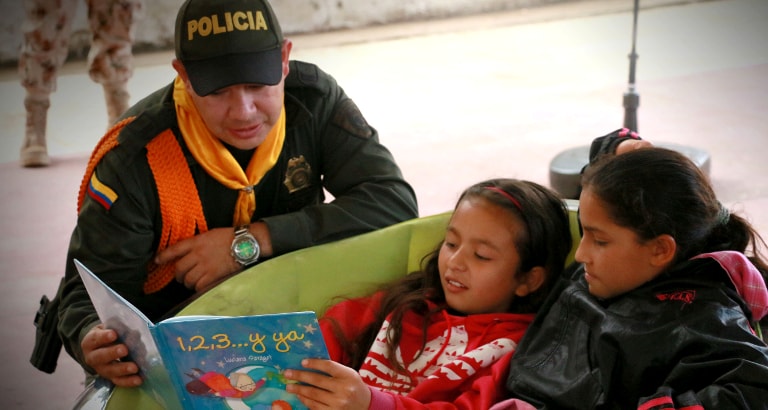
[{"x": 211, "y": 362}]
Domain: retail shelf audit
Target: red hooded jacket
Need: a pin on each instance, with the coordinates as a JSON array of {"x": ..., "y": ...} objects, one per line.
[{"x": 463, "y": 365}]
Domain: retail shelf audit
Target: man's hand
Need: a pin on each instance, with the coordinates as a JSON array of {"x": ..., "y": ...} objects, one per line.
[
  {"x": 202, "y": 259},
  {"x": 104, "y": 355},
  {"x": 339, "y": 388}
]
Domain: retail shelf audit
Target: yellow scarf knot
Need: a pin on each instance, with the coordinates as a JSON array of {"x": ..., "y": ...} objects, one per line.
[{"x": 218, "y": 162}]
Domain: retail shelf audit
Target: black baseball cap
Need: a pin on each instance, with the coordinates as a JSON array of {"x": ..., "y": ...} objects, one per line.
[{"x": 227, "y": 42}]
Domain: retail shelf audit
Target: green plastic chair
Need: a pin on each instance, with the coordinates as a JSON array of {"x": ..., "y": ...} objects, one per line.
[{"x": 312, "y": 279}]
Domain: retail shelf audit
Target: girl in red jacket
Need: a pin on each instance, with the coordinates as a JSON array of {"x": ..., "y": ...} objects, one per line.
[{"x": 442, "y": 337}]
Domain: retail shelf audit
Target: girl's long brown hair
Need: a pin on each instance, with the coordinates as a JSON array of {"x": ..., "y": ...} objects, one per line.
[{"x": 545, "y": 242}]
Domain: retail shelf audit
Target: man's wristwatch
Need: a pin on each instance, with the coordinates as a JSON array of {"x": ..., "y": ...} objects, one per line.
[{"x": 245, "y": 248}]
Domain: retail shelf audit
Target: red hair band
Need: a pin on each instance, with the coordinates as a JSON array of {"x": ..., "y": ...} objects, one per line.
[{"x": 506, "y": 195}]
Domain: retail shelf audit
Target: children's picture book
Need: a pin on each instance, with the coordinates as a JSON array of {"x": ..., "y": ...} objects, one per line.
[{"x": 211, "y": 362}]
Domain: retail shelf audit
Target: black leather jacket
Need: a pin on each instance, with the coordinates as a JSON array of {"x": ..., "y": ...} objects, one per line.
[{"x": 683, "y": 339}]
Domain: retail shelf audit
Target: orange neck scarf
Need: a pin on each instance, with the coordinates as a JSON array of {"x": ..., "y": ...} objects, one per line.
[{"x": 218, "y": 162}]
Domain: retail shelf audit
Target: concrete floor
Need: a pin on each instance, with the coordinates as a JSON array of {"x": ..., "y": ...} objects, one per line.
[{"x": 456, "y": 101}]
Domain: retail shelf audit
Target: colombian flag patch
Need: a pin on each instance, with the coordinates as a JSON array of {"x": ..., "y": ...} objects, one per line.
[{"x": 101, "y": 193}]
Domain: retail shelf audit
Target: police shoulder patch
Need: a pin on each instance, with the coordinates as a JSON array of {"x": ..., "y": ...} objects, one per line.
[{"x": 349, "y": 118}]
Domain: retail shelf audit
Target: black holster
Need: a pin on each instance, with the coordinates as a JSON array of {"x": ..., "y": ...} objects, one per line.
[{"x": 47, "y": 341}]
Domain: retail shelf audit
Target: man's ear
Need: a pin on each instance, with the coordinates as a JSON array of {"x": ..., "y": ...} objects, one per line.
[
  {"x": 286, "y": 56},
  {"x": 180, "y": 70},
  {"x": 663, "y": 250},
  {"x": 532, "y": 280}
]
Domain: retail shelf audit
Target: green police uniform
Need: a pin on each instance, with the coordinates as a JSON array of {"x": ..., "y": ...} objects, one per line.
[{"x": 328, "y": 145}]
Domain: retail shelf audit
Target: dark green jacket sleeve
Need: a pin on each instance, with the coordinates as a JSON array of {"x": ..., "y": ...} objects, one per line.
[
  {"x": 367, "y": 185},
  {"x": 116, "y": 238}
]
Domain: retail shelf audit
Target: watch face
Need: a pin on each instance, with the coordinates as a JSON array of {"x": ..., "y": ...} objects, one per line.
[{"x": 246, "y": 249}]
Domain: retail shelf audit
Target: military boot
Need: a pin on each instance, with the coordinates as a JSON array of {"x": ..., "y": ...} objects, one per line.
[
  {"x": 116, "y": 96},
  {"x": 34, "y": 152}
]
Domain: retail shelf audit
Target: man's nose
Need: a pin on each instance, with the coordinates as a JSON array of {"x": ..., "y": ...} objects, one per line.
[{"x": 241, "y": 105}]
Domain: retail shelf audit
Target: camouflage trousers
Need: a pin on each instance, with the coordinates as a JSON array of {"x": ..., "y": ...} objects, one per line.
[{"x": 46, "y": 31}]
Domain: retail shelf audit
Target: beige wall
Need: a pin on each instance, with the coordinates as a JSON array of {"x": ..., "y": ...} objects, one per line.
[{"x": 155, "y": 29}]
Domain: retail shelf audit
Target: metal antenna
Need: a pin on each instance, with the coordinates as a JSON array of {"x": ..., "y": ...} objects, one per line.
[{"x": 631, "y": 98}]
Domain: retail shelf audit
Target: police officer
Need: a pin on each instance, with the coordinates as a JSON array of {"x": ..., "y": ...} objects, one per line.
[
  {"x": 45, "y": 47},
  {"x": 224, "y": 167}
]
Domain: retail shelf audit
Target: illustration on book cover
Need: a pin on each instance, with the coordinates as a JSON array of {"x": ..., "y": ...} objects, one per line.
[{"x": 227, "y": 366}]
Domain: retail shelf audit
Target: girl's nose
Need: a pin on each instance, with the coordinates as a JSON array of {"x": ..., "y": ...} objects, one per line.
[
  {"x": 456, "y": 261},
  {"x": 580, "y": 255}
]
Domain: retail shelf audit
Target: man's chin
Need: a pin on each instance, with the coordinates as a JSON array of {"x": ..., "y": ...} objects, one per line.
[{"x": 244, "y": 144}]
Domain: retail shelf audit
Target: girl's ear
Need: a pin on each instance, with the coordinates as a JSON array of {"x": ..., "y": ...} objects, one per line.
[
  {"x": 663, "y": 250},
  {"x": 532, "y": 281}
]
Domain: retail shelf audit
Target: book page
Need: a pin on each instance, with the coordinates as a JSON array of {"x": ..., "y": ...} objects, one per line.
[{"x": 133, "y": 329}]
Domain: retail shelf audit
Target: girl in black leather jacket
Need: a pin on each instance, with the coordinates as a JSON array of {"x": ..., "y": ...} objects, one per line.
[{"x": 660, "y": 311}]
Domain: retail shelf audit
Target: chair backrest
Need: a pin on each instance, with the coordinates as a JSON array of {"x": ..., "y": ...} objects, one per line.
[
  {"x": 312, "y": 278},
  {"x": 309, "y": 279}
]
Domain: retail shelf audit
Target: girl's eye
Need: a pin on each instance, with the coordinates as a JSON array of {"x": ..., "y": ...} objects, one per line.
[
  {"x": 481, "y": 257},
  {"x": 588, "y": 236},
  {"x": 449, "y": 245}
]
